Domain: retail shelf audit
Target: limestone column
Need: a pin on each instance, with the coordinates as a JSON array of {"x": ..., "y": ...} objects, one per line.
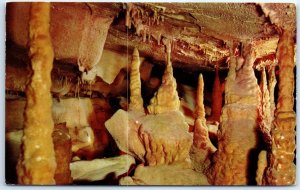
[
  {"x": 281, "y": 168},
  {"x": 37, "y": 160}
]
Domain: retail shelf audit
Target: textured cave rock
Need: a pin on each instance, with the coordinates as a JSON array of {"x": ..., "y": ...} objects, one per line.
[
  {"x": 158, "y": 138},
  {"x": 206, "y": 41},
  {"x": 281, "y": 168},
  {"x": 84, "y": 119},
  {"x": 108, "y": 101},
  {"x": 237, "y": 135},
  {"x": 98, "y": 169},
  {"x": 37, "y": 164},
  {"x": 63, "y": 154},
  {"x": 178, "y": 173},
  {"x": 165, "y": 137},
  {"x": 80, "y": 22},
  {"x": 123, "y": 125}
]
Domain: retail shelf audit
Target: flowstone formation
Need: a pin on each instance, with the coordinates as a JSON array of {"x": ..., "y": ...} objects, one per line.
[
  {"x": 160, "y": 139},
  {"x": 237, "y": 133}
]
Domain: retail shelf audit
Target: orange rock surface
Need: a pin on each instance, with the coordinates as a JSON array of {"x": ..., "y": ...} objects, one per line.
[
  {"x": 237, "y": 133},
  {"x": 281, "y": 168},
  {"x": 37, "y": 161}
]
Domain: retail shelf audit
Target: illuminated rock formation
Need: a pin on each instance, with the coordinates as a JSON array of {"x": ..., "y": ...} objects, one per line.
[
  {"x": 202, "y": 147},
  {"x": 166, "y": 98},
  {"x": 261, "y": 167},
  {"x": 265, "y": 116},
  {"x": 136, "y": 100},
  {"x": 281, "y": 168},
  {"x": 271, "y": 87},
  {"x": 216, "y": 107},
  {"x": 98, "y": 169},
  {"x": 160, "y": 138},
  {"x": 124, "y": 128},
  {"x": 37, "y": 160},
  {"x": 237, "y": 133},
  {"x": 165, "y": 137},
  {"x": 179, "y": 173},
  {"x": 63, "y": 154}
]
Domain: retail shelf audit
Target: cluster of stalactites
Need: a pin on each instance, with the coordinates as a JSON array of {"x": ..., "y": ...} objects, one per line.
[
  {"x": 166, "y": 98},
  {"x": 142, "y": 21},
  {"x": 265, "y": 116}
]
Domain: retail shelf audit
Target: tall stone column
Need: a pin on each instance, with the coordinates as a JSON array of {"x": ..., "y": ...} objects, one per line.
[{"x": 281, "y": 168}]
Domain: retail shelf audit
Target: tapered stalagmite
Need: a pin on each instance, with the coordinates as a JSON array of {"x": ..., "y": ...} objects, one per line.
[
  {"x": 237, "y": 133},
  {"x": 201, "y": 139},
  {"x": 166, "y": 98},
  {"x": 136, "y": 100},
  {"x": 200, "y": 110},
  {"x": 261, "y": 167},
  {"x": 63, "y": 154},
  {"x": 281, "y": 168},
  {"x": 37, "y": 161},
  {"x": 202, "y": 148}
]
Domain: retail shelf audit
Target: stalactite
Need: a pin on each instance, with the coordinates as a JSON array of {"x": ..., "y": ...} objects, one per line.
[
  {"x": 271, "y": 87},
  {"x": 281, "y": 169},
  {"x": 216, "y": 107},
  {"x": 237, "y": 133},
  {"x": 136, "y": 100},
  {"x": 265, "y": 118},
  {"x": 166, "y": 98},
  {"x": 37, "y": 164}
]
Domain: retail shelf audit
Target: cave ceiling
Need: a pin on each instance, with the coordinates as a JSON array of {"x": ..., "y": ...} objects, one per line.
[{"x": 200, "y": 32}]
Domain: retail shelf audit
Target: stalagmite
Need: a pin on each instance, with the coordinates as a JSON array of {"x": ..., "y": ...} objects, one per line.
[
  {"x": 216, "y": 107},
  {"x": 261, "y": 166},
  {"x": 281, "y": 168},
  {"x": 136, "y": 100},
  {"x": 201, "y": 139},
  {"x": 237, "y": 133},
  {"x": 63, "y": 154},
  {"x": 200, "y": 111},
  {"x": 166, "y": 98},
  {"x": 37, "y": 164},
  {"x": 202, "y": 147}
]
